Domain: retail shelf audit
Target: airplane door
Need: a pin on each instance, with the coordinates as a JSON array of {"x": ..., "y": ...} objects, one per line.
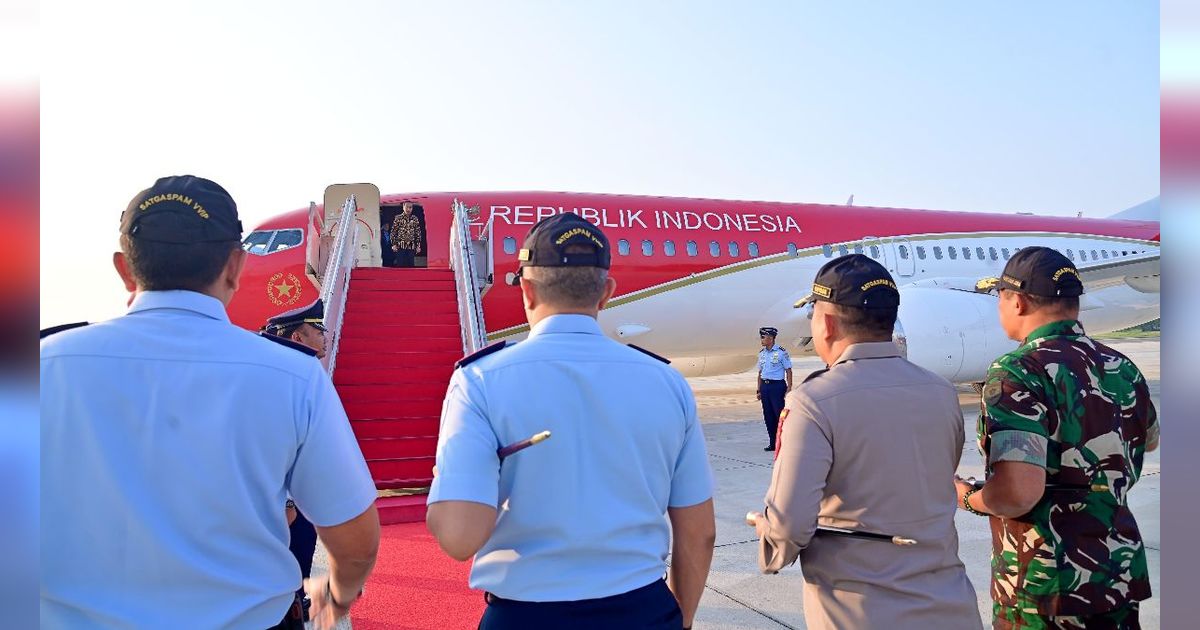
[{"x": 902, "y": 257}]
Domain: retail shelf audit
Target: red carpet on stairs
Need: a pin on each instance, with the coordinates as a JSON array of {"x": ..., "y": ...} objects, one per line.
[{"x": 416, "y": 586}]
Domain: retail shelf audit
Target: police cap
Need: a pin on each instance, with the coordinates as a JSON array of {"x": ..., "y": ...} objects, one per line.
[
  {"x": 1043, "y": 272},
  {"x": 182, "y": 209},
  {"x": 854, "y": 280},
  {"x": 547, "y": 242},
  {"x": 768, "y": 331},
  {"x": 312, "y": 314}
]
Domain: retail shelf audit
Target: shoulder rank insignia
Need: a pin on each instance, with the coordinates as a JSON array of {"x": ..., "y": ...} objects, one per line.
[
  {"x": 46, "y": 332},
  {"x": 471, "y": 358},
  {"x": 648, "y": 353},
  {"x": 289, "y": 343},
  {"x": 815, "y": 375}
]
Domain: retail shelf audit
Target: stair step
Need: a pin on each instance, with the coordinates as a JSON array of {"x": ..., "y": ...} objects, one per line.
[
  {"x": 409, "y": 468},
  {"x": 398, "y": 392},
  {"x": 386, "y": 273},
  {"x": 426, "y": 426},
  {"x": 395, "y": 360},
  {"x": 388, "y": 345},
  {"x": 389, "y": 410},
  {"x": 398, "y": 447},
  {"x": 396, "y": 510},
  {"x": 400, "y": 299},
  {"x": 355, "y": 318},
  {"x": 380, "y": 376},
  {"x": 398, "y": 331},
  {"x": 404, "y": 482},
  {"x": 401, "y": 284},
  {"x": 414, "y": 309}
]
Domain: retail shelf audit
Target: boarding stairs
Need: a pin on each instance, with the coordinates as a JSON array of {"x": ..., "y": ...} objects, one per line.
[{"x": 399, "y": 335}]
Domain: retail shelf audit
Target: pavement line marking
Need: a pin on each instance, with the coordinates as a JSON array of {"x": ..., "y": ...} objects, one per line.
[
  {"x": 740, "y": 542},
  {"x": 747, "y": 606}
]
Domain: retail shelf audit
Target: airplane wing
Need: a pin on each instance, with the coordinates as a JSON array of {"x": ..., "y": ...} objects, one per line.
[{"x": 1141, "y": 272}]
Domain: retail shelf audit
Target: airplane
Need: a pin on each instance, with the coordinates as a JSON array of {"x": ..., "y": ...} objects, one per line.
[{"x": 696, "y": 278}]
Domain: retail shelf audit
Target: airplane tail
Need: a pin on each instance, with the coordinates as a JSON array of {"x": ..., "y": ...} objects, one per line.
[{"x": 1145, "y": 211}]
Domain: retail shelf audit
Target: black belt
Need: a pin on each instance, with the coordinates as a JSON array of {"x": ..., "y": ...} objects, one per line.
[{"x": 773, "y": 380}]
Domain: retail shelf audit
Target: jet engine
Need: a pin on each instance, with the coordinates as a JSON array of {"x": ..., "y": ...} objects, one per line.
[{"x": 953, "y": 333}]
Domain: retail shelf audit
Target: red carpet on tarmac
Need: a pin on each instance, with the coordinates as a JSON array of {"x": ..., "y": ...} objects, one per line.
[{"x": 416, "y": 586}]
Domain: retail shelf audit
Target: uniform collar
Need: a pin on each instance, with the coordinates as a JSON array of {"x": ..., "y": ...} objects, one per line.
[
  {"x": 1060, "y": 328},
  {"x": 774, "y": 347},
  {"x": 199, "y": 303},
  {"x": 585, "y": 324},
  {"x": 869, "y": 350}
]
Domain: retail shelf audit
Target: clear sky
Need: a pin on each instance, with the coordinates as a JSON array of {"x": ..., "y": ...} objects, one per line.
[{"x": 1030, "y": 106}]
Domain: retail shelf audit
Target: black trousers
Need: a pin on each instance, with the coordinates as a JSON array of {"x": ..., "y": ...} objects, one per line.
[
  {"x": 651, "y": 607},
  {"x": 303, "y": 545},
  {"x": 405, "y": 258},
  {"x": 772, "y": 405}
]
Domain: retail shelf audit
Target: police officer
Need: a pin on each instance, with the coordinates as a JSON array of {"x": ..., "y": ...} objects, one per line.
[
  {"x": 571, "y": 533},
  {"x": 870, "y": 443},
  {"x": 304, "y": 327},
  {"x": 774, "y": 380},
  {"x": 189, "y": 432},
  {"x": 1064, "y": 426}
]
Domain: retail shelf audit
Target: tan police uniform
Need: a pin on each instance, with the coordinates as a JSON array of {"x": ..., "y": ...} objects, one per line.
[{"x": 871, "y": 444}]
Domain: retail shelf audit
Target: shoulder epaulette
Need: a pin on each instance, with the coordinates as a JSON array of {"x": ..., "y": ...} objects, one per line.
[
  {"x": 46, "y": 332},
  {"x": 648, "y": 353},
  {"x": 479, "y": 354},
  {"x": 814, "y": 375},
  {"x": 289, "y": 343}
]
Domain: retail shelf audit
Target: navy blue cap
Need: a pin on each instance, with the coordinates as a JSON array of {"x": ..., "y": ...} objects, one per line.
[
  {"x": 854, "y": 280},
  {"x": 1043, "y": 272},
  {"x": 182, "y": 209},
  {"x": 768, "y": 331},
  {"x": 312, "y": 314}
]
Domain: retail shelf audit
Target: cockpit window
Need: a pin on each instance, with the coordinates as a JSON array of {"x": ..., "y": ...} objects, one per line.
[
  {"x": 257, "y": 242},
  {"x": 286, "y": 239}
]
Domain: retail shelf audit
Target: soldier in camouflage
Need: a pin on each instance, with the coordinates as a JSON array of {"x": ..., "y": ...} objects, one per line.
[{"x": 1064, "y": 426}]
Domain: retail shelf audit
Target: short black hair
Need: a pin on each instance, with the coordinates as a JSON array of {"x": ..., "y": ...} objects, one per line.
[
  {"x": 160, "y": 266},
  {"x": 1062, "y": 304},
  {"x": 867, "y": 324}
]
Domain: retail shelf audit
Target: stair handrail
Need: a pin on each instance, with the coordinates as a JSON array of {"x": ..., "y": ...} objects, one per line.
[
  {"x": 463, "y": 263},
  {"x": 336, "y": 280}
]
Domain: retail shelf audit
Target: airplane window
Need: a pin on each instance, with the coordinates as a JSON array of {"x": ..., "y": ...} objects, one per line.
[
  {"x": 1005, "y": 252},
  {"x": 953, "y": 253},
  {"x": 904, "y": 252},
  {"x": 1104, "y": 252},
  {"x": 921, "y": 252},
  {"x": 692, "y": 250},
  {"x": 827, "y": 250},
  {"x": 669, "y": 248},
  {"x": 286, "y": 239},
  {"x": 842, "y": 251},
  {"x": 937, "y": 252},
  {"x": 733, "y": 249},
  {"x": 1071, "y": 254},
  {"x": 623, "y": 247},
  {"x": 858, "y": 248},
  {"x": 967, "y": 253},
  {"x": 979, "y": 253},
  {"x": 510, "y": 245},
  {"x": 647, "y": 248},
  {"x": 1114, "y": 253},
  {"x": 792, "y": 251},
  {"x": 1124, "y": 253},
  {"x": 714, "y": 249},
  {"x": 874, "y": 251},
  {"x": 1082, "y": 254},
  {"x": 753, "y": 247},
  {"x": 1095, "y": 256},
  {"x": 256, "y": 242},
  {"x": 992, "y": 251}
]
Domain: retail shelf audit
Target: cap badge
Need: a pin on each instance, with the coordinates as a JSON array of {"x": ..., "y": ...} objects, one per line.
[
  {"x": 1013, "y": 281},
  {"x": 822, "y": 290},
  {"x": 523, "y": 255}
]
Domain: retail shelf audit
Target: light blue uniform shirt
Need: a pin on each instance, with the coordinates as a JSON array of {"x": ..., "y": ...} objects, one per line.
[
  {"x": 773, "y": 361},
  {"x": 581, "y": 515},
  {"x": 170, "y": 440}
]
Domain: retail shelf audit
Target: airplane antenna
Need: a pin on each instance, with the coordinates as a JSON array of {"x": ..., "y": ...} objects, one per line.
[{"x": 850, "y": 201}]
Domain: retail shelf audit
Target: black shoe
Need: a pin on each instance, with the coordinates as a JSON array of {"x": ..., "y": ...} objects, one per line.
[
  {"x": 305, "y": 604},
  {"x": 770, "y": 448}
]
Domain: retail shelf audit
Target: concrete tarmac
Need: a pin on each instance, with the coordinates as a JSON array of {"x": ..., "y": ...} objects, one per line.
[{"x": 739, "y": 597}]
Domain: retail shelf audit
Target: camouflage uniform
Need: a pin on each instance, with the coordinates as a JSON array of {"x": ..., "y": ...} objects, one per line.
[{"x": 1083, "y": 412}]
